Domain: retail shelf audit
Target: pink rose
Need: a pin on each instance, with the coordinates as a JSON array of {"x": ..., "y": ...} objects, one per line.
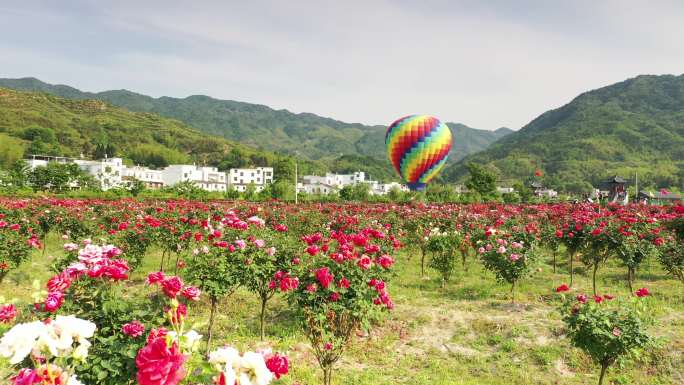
[
  {"x": 133, "y": 329},
  {"x": 172, "y": 286},
  {"x": 155, "y": 277},
  {"x": 190, "y": 292}
]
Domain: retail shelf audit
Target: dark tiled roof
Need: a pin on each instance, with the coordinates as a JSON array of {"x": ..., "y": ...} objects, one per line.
[{"x": 617, "y": 179}]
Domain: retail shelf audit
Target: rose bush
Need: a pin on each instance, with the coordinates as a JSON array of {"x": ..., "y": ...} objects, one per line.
[
  {"x": 607, "y": 329},
  {"x": 342, "y": 287}
]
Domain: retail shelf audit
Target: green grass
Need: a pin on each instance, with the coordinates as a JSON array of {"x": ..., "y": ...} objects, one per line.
[{"x": 467, "y": 333}]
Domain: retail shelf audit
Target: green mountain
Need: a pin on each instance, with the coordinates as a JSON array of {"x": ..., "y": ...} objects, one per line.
[
  {"x": 635, "y": 126},
  {"x": 309, "y": 135},
  {"x": 39, "y": 123}
]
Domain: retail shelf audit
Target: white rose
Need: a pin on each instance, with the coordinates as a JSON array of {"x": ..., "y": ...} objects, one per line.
[
  {"x": 19, "y": 341},
  {"x": 253, "y": 363}
]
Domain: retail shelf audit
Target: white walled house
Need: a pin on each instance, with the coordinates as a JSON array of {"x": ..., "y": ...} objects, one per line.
[
  {"x": 314, "y": 184},
  {"x": 206, "y": 178},
  {"x": 42, "y": 161},
  {"x": 240, "y": 178},
  {"x": 336, "y": 180},
  {"x": 151, "y": 178},
  {"x": 384, "y": 188},
  {"x": 316, "y": 188},
  {"x": 109, "y": 171}
]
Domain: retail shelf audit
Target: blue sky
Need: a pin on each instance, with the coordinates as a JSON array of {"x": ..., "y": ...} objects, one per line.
[{"x": 486, "y": 64}]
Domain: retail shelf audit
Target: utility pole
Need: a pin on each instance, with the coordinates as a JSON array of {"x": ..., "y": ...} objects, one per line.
[
  {"x": 296, "y": 177},
  {"x": 636, "y": 186}
]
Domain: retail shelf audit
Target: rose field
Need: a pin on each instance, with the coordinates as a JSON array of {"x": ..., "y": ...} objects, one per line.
[{"x": 160, "y": 292}]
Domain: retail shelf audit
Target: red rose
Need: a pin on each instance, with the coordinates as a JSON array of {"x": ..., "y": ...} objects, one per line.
[
  {"x": 365, "y": 263},
  {"x": 153, "y": 278},
  {"x": 27, "y": 377},
  {"x": 59, "y": 282},
  {"x": 324, "y": 277},
  {"x": 312, "y": 250},
  {"x": 133, "y": 329},
  {"x": 643, "y": 292},
  {"x": 343, "y": 283},
  {"x": 190, "y": 292},
  {"x": 53, "y": 301},
  {"x": 582, "y": 298},
  {"x": 334, "y": 297},
  {"x": 159, "y": 365},
  {"x": 7, "y": 313},
  {"x": 386, "y": 261},
  {"x": 156, "y": 333},
  {"x": 172, "y": 286},
  {"x": 598, "y": 299},
  {"x": 562, "y": 288},
  {"x": 278, "y": 365}
]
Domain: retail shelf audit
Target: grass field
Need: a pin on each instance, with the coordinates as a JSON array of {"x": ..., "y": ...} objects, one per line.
[{"x": 464, "y": 333}]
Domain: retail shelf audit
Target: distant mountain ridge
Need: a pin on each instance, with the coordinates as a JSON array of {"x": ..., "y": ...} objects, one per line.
[
  {"x": 634, "y": 126},
  {"x": 43, "y": 124},
  {"x": 309, "y": 135}
]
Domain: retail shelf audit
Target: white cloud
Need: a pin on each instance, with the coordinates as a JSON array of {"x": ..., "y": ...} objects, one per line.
[{"x": 483, "y": 64}]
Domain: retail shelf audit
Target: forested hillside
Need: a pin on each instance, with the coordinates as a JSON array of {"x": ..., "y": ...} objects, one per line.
[{"x": 635, "y": 126}]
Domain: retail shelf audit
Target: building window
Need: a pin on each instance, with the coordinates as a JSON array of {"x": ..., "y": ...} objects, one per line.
[
  {"x": 258, "y": 180},
  {"x": 241, "y": 173}
]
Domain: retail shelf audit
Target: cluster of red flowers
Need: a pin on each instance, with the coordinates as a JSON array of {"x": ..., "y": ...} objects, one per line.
[
  {"x": 172, "y": 286},
  {"x": 284, "y": 281},
  {"x": 383, "y": 297},
  {"x": 583, "y": 298},
  {"x": 159, "y": 364},
  {"x": 7, "y": 313},
  {"x": 133, "y": 329},
  {"x": 93, "y": 261},
  {"x": 277, "y": 364}
]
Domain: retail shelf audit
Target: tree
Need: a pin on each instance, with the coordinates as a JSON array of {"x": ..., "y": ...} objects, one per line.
[
  {"x": 283, "y": 190},
  {"x": 440, "y": 193},
  {"x": 104, "y": 150},
  {"x": 250, "y": 192},
  {"x": 135, "y": 186},
  {"x": 190, "y": 190},
  {"x": 17, "y": 175},
  {"x": 481, "y": 180},
  {"x": 346, "y": 193},
  {"x": 356, "y": 192},
  {"x": 236, "y": 158},
  {"x": 284, "y": 169},
  {"x": 395, "y": 194},
  {"x": 56, "y": 177},
  {"x": 523, "y": 191},
  {"x": 361, "y": 192},
  {"x": 232, "y": 193}
]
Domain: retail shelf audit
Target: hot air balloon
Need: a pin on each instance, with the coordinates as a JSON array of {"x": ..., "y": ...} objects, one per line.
[{"x": 418, "y": 147}]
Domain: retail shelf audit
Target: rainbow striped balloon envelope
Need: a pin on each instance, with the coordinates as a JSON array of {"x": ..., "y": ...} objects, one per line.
[{"x": 418, "y": 147}]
